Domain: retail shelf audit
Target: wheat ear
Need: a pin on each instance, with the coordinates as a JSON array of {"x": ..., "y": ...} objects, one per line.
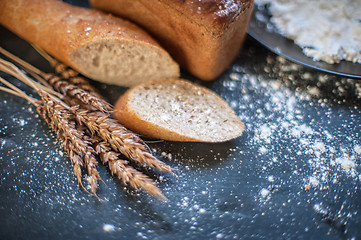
[
  {"x": 126, "y": 173},
  {"x": 119, "y": 138},
  {"x": 62, "y": 122}
]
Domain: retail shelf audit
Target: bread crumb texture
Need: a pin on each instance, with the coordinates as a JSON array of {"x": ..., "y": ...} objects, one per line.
[
  {"x": 124, "y": 62},
  {"x": 184, "y": 108}
]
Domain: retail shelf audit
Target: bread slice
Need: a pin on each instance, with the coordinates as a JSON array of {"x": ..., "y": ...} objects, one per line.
[
  {"x": 204, "y": 37},
  {"x": 98, "y": 45},
  {"x": 177, "y": 110}
]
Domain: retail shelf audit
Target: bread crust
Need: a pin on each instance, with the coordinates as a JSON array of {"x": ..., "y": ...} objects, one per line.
[
  {"x": 203, "y": 36},
  {"x": 62, "y": 29},
  {"x": 130, "y": 119}
]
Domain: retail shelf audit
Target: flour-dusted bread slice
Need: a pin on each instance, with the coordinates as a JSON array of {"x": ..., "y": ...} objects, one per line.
[
  {"x": 98, "y": 45},
  {"x": 203, "y": 36},
  {"x": 177, "y": 110}
]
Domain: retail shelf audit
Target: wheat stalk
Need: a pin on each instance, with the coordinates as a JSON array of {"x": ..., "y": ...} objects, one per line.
[
  {"x": 67, "y": 123},
  {"x": 62, "y": 86},
  {"x": 11, "y": 69},
  {"x": 77, "y": 144}
]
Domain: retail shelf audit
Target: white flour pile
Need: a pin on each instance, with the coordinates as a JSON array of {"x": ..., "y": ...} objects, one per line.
[{"x": 327, "y": 30}]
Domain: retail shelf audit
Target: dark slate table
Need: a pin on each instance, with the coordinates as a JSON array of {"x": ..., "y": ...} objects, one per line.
[{"x": 294, "y": 174}]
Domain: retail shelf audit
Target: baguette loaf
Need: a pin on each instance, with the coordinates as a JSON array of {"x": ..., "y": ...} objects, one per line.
[
  {"x": 98, "y": 45},
  {"x": 203, "y": 36},
  {"x": 177, "y": 110}
]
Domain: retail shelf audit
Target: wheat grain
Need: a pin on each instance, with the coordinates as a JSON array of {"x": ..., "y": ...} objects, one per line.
[{"x": 127, "y": 174}]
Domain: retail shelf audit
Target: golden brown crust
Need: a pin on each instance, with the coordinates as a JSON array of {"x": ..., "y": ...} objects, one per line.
[
  {"x": 203, "y": 36},
  {"x": 215, "y": 15},
  {"x": 61, "y": 29}
]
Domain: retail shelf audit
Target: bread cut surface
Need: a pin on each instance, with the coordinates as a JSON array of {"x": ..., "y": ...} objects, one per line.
[
  {"x": 204, "y": 37},
  {"x": 177, "y": 110},
  {"x": 100, "y": 46}
]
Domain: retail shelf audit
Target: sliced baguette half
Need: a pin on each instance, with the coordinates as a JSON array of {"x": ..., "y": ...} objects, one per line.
[
  {"x": 98, "y": 45},
  {"x": 177, "y": 110}
]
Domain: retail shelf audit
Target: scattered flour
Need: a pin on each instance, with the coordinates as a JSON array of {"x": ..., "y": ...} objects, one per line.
[
  {"x": 345, "y": 162},
  {"x": 264, "y": 192},
  {"x": 294, "y": 127},
  {"x": 357, "y": 149},
  {"x": 264, "y": 132},
  {"x": 108, "y": 228},
  {"x": 327, "y": 30},
  {"x": 314, "y": 181}
]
